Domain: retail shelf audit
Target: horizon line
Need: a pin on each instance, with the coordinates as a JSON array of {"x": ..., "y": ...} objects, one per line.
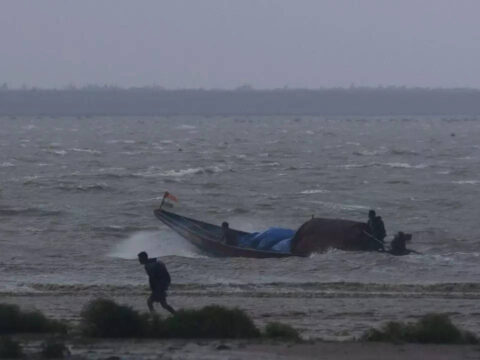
[{"x": 245, "y": 88}]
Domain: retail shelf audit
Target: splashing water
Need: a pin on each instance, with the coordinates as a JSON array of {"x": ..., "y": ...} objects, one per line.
[{"x": 155, "y": 243}]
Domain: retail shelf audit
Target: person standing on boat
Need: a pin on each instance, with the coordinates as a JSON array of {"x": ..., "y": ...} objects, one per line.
[
  {"x": 159, "y": 280},
  {"x": 377, "y": 227}
]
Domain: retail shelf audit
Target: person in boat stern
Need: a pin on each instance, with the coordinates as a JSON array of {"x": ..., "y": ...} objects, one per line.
[
  {"x": 159, "y": 280},
  {"x": 376, "y": 225}
]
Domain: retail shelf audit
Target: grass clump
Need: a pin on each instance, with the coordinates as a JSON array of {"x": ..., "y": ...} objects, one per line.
[
  {"x": 281, "y": 331},
  {"x": 105, "y": 318},
  {"x": 52, "y": 349},
  {"x": 10, "y": 349},
  {"x": 13, "y": 320},
  {"x": 210, "y": 322},
  {"x": 392, "y": 331},
  {"x": 430, "y": 329}
]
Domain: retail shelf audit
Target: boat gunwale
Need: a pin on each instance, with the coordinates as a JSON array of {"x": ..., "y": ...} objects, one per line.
[{"x": 163, "y": 215}]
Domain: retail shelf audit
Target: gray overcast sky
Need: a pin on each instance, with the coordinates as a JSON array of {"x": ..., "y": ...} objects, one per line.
[{"x": 224, "y": 44}]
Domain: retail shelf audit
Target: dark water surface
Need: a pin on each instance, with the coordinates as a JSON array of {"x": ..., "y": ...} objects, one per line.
[{"x": 76, "y": 201}]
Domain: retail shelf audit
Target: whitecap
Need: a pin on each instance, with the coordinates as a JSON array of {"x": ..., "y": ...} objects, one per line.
[
  {"x": 271, "y": 164},
  {"x": 467, "y": 182},
  {"x": 406, "y": 165},
  {"x": 102, "y": 170},
  {"x": 186, "y": 127},
  {"x": 56, "y": 152},
  {"x": 116, "y": 141},
  {"x": 190, "y": 171},
  {"x": 369, "y": 153},
  {"x": 7, "y": 164},
  {"x": 153, "y": 172},
  {"x": 352, "y": 166},
  {"x": 90, "y": 151},
  {"x": 353, "y": 207},
  {"x": 333, "y": 205},
  {"x": 309, "y": 132},
  {"x": 314, "y": 191},
  {"x": 132, "y": 153}
]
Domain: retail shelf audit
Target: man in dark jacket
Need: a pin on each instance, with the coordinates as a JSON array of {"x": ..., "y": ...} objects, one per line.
[
  {"x": 227, "y": 236},
  {"x": 376, "y": 225},
  {"x": 159, "y": 280}
]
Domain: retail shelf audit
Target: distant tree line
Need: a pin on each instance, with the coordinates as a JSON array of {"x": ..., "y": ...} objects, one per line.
[{"x": 108, "y": 100}]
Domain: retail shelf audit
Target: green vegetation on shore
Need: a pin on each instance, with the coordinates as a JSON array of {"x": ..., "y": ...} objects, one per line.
[
  {"x": 276, "y": 330},
  {"x": 430, "y": 329},
  {"x": 13, "y": 320},
  {"x": 10, "y": 349},
  {"x": 211, "y": 322},
  {"x": 105, "y": 318}
]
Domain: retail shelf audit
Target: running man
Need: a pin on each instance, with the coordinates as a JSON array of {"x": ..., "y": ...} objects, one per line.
[{"x": 159, "y": 280}]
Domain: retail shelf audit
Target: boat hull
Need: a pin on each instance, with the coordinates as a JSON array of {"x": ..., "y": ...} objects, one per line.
[{"x": 208, "y": 237}]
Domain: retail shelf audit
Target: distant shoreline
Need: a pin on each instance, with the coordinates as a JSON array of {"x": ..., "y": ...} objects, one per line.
[{"x": 103, "y": 101}]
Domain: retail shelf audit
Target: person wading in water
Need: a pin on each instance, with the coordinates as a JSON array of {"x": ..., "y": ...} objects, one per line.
[{"x": 159, "y": 280}]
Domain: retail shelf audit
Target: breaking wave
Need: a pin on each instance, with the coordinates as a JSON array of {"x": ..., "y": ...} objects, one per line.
[
  {"x": 28, "y": 212},
  {"x": 155, "y": 243},
  {"x": 179, "y": 173},
  {"x": 84, "y": 188},
  {"x": 315, "y": 191},
  {"x": 90, "y": 151}
]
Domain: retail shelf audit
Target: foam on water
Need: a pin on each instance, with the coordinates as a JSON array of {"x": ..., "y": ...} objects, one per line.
[
  {"x": 467, "y": 182},
  {"x": 90, "y": 151},
  {"x": 405, "y": 165},
  {"x": 6, "y": 164},
  {"x": 314, "y": 191},
  {"x": 155, "y": 243},
  {"x": 186, "y": 127}
]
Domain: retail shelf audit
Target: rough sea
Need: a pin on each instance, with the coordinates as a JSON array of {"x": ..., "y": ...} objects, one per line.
[{"x": 77, "y": 195}]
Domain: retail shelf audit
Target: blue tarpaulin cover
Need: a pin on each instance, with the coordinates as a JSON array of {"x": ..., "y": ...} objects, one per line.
[{"x": 272, "y": 239}]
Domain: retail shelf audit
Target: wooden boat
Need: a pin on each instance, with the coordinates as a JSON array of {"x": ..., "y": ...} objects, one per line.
[
  {"x": 315, "y": 235},
  {"x": 208, "y": 237}
]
